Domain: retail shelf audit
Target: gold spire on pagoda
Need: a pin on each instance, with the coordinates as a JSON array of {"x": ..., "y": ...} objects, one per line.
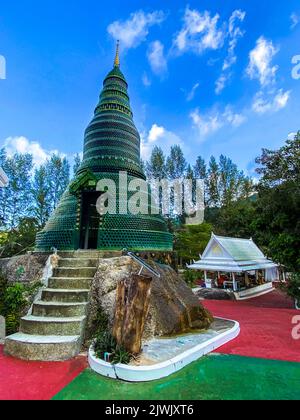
[{"x": 117, "y": 59}]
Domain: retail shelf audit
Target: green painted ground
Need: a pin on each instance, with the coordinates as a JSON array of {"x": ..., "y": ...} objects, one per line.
[{"x": 215, "y": 377}]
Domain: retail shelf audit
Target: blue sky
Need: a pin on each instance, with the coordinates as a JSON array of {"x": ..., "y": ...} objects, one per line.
[{"x": 214, "y": 76}]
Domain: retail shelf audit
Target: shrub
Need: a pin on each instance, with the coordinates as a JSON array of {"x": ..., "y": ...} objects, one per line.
[
  {"x": 14, "y": 300},
  {"x": 106, "y": 343},
  {"x": 293, "y": 287},
  {"x": 190, "y": 277}
]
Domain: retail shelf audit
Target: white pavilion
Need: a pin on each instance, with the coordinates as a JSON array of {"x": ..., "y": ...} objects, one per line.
[{"x": 236, "y": 264}]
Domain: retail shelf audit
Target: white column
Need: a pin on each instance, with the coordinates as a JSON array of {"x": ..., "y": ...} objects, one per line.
[
  {"x": 246, "y": 279},
  {"x": 235, "y": 288},
  {"x": 207, "y": 281},
  {"x": 283, "y": 275}
]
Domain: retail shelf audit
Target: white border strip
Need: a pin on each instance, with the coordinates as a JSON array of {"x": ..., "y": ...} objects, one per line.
[
  {"x": 255, "y": 292},
  {"x": 162, "y": 370}
]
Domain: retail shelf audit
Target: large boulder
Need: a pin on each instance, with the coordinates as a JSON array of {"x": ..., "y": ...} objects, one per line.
[
  {"x": 214, "y": 294},
  {"x": 26, "y": 268},
  {"x": 174, "y": 309}
]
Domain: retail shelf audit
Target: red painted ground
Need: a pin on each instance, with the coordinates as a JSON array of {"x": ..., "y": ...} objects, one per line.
[
  {"x": 266, "y": 327},
  {"x": 21, "y": 380}
]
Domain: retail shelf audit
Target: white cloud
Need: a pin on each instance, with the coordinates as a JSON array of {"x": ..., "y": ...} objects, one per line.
[
  {"x": 260, "y": 66},
  {"x": 270, "y": 98},
  {"x": 206, "y": 125},
  {"x": 234, "y": 119},
  {"x": 157, "y": 58},
  {"x": 200, "y": 32},
  {"x": 146, "y": 81},
  {"x": 161, "y": 137},
  {"x": 190, "y": 96},
  {"x": 135, "y": 30},
  {"x": 295, "y": 19},
  {"x": 234, "y": 33},
  {"x": 23, "y": 145},
  {"x": 215, "y": 120},
  {"x": 267, "y": 103},
  {"x": 221, "y": 83},
  {"x": 291, "y": 136},
  {"x": 155, "y": 133}
]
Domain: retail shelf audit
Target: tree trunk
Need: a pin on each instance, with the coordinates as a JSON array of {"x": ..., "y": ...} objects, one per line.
[{"x": 132, "y": 306}]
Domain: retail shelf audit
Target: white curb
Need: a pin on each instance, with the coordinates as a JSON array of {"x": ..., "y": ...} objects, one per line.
[{"x": 130, "y": 373}]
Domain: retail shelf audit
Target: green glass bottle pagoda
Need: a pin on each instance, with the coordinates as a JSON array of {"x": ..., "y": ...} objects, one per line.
[{"x": 111, "y": 146}]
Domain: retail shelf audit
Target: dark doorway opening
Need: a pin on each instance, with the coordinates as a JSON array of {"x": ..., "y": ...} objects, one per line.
[{"x": 90, "y": 220}]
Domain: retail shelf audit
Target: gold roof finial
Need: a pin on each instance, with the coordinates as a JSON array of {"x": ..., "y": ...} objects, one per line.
[{"x": 117, "y": 59}]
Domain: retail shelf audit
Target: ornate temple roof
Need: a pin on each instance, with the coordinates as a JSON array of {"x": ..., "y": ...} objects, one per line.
[{"x": 232, "y": 255}]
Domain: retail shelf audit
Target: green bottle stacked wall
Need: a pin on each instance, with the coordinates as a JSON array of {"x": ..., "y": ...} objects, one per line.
[{"x": 111, "y": 146}]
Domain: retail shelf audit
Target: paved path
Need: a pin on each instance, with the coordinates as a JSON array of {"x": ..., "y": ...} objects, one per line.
[
  {"x": 266, "y": 331},
  {"x": 20, "y": 380}
]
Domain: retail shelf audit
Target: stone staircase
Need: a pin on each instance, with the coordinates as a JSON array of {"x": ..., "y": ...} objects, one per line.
[{"x": 55, "y": 329}]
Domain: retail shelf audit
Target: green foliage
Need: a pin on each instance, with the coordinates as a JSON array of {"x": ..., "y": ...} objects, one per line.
[
  {"x": 271, "y": 216},
  {"x": 58, "y": 170},
  {"x": 213, "y": 183},
  {"x": 236, "y": 219},
  {"x": 101, "y": 322},
  {"x": 293, "y": 287},
  {"x": 156, "y": 167},
  {"x": 277, "y": 221},
  {"x": 14, "y": 300},
  {"x": 18, "y": 240},
  {"x": 12, "y": 305},
  {"x": 106, "y": 343},
  {"x": 77, "y": 163},
  {"x": 190, "y": 277},
  {"x": 15, "y": 199},
  {"x": 176, "y": 163},
  {"x": 121, "y": 356},
  {"x": 41, "y": 206},
  {"x": 191, "y": 241},
  {"x": 29, "y": 199}
]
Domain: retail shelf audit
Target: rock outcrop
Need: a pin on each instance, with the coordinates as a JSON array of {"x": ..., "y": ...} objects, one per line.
[
  {"x": 26, "y": 268},
  {"x": 214, "y": 294},
  {"x": 174, "y": 309}
]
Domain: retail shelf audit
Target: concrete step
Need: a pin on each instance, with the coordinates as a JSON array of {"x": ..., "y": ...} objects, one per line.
[
  {"x": 74, "y": 272},
  {"x": 87, "y": 254},
  {"x": 59, "y": 309},
  {"x": 70, "y": 283},
  {"x": 65, "y": 295},
  {"x": 42, "y": 348},
  {"x": 97, "y": 254},
  {"x": 78, "y": 262},
  {"x": 90, "y": 254},
  {"x": 35, "y": 325}
]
